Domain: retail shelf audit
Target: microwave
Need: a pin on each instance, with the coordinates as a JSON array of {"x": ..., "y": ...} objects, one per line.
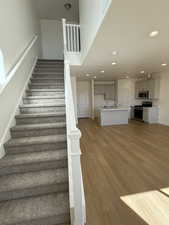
[{"x": 143, "y": 94}]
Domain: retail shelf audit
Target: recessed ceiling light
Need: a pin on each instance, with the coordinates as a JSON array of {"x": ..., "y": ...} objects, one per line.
[
  {"x": 164, "y": 64},
  {"x": 127, "y": 77},
  {"x": 154, "y": 33},
  {"x": 87, "y": 75},
  {"x": 95, "y": 77},
  {"x": 102, "y": 71},
  {"x": 114, "y": 63},
  {"x": 142, "y": 72},
  {"x": 114, "y": 53}
]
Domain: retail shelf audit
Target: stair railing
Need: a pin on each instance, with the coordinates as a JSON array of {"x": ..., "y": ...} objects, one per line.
[
  {"x": 72, "y": 35},
  {"x": 76, "y": 189}
]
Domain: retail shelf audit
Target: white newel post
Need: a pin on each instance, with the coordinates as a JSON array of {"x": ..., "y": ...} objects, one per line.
[
  {"x": 77, "y": 176},
  {"x": 64, "y": 35}
]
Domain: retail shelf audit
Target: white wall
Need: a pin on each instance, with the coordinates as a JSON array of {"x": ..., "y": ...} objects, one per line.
[
  {"x": 164, "y": 98},
  {"x": 91, "y": 17},
  {"x": 52, "y": 39},
  {"x": 19, "y": 25}
]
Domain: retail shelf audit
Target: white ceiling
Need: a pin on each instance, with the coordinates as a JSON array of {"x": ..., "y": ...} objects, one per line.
[
  {"x": 126, "y": 29},
  {"x": 54, "y": 9}
]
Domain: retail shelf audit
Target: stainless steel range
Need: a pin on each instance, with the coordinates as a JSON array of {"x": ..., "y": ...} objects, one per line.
[{"x": 138, "y": 110}]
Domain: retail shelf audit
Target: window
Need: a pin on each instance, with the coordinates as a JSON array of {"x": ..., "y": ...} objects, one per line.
[{"x": 2, "y": 69}]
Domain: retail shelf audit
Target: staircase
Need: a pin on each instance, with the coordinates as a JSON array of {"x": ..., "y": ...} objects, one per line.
[{"x": 34, "y": 173}]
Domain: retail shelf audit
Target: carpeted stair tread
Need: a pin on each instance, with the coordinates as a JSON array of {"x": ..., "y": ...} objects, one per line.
[
  {"x": 38, "y": 126},
  {"x": 48, "y": 73},
  {"x": 44, "y": 79},
  {"x": 34, "y": 157},
  {"x": 56, "y": 90},
  {"x": 35, "y": 140},
  {"x": 44, "y": 97},
  {"x": 50, "y": 209},
  {"x": 41, "y": 105},
  {"x": 33, "y": 179},
  {"x": 50, "y": 60},
  {"x": 47, "y": 84},
  {"x": 35, "y": 115}
]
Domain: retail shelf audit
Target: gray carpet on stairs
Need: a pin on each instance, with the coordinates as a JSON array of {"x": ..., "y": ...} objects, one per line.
[{"x": 34, "y": 186}]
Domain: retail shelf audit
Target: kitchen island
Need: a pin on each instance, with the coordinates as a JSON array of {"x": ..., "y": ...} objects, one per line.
[{"x": 113, "y": 116}]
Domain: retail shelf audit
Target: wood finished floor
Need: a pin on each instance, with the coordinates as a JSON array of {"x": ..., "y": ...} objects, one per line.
[{"x": 119, "y": 161}]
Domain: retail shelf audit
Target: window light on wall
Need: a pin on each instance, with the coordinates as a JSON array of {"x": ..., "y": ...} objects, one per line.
[{"x": 2, "y": 68}]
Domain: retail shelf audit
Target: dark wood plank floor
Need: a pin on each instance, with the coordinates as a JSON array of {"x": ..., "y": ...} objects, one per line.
[{"x": 119, "y": 161}]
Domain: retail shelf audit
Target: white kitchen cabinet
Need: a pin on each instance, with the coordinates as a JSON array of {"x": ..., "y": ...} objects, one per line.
[
  {"x": 131, "y": 112},
  {"x": 153, "y": 86},
  {"x": 140, "y": 86},
  {"x": 151, "y": 114},
  {"x": 107, "y": 90}
]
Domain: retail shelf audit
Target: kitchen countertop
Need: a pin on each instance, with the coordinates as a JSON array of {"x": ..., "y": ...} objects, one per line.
[{"x": 114, "y": 109}]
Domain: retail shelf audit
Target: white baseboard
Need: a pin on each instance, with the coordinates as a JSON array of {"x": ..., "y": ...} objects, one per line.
[
  {"x": 12, "y": 122},
  {"x": 164, "y": 124}
]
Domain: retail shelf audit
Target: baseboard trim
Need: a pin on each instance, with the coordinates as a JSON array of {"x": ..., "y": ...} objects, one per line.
[
  {"x": 164, "y": 124},
  {"x": 12, "y": 122}
]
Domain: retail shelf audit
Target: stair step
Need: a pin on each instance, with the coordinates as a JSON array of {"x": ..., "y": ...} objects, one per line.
[
  {"x": 35, "y": 144},
  {"x": 50, "y": 61},
  {"x": 50, "y": 64},
  {"x": 44, "y": 99},
  {"x": 49, "y": 69},
  {"x": 48, "y": 76},
  {"x": 50, "y": 209},
  {"x": 34, "y": 130},
  {"x": 35, "y": 161},
  {"x": 54, "y": 73},
  {"x": 47, "y": 66},
  {"x": 30, "y": 184},
  {"x": 42, "y": 108},
  {"x": 56, "y": 90},
  {"x": 45, "y": 92},
  {"x": 47, "y": 80},
  {"x": 46, "y": 86},
  {"x": 40, "y": 118}
]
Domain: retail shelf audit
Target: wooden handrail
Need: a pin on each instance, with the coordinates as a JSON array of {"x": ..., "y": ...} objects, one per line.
[{"x": 14, "y": 68}]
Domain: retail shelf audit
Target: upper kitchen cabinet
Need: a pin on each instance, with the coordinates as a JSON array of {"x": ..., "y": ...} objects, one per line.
[
  {"x": 106, "y": 88},
  {"x": 147, "y": 89},
  {"x": 154, "y": 88}
]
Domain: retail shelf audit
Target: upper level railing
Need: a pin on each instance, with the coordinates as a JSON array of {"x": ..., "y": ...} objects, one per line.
[
  {"x": 76, "y": 190},
  {"x": 72, "y": 37}
]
